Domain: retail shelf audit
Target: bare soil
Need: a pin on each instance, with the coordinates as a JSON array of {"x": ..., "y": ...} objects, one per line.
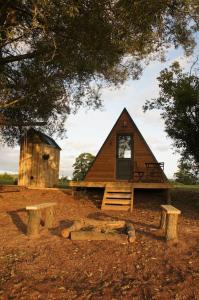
[{"x": 51, "y": 267}]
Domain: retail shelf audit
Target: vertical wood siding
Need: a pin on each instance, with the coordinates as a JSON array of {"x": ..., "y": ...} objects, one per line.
[
  {"x": 104, "y": 166},
  {"x": 45, "y": 173}
]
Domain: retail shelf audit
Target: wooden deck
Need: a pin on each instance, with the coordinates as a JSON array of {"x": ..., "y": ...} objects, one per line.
[{"x": 135, "y": 185}]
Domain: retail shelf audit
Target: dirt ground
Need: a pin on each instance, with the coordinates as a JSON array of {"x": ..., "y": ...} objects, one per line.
[{"x": 51, "y": 267}]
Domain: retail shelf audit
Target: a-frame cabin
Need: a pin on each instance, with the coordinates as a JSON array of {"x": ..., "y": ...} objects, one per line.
[{"x": 124, "y": 163}]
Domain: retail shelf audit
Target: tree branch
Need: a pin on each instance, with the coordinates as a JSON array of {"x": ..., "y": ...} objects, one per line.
[
  {"x": 9, "y": 59},
  {"x": 5, "y": 105}
]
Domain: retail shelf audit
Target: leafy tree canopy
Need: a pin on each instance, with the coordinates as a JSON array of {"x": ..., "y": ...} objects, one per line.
[
  {"x": 81, "y": 166},
  {"x": 56, "y": 54},
  {"x": 187, "y": 173},
  {"x": 178, "y": 102}
]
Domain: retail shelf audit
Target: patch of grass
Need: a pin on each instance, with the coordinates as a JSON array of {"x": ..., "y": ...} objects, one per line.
[
  {"x": 186, "y": 186},
  {"x": 187, "y": 195}
]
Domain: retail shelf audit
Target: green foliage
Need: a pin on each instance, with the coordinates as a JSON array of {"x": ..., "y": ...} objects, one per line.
[
  {"x": 55, "y": 55},
  {"x": 81, "y": 166},
  {"x": 187, "y": 172},
  {"x": 8, "y": 179},
  {"x": 178, "y": 102},
  {"x": 63, "y": 182}
]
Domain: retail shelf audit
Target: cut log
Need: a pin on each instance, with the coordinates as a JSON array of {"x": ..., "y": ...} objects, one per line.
[
  {"x": 131, "y": 232},
  {"x": 97, "y": 236},
  {"x": 169, "y": 220},
  {"x": 34, "y": 218},
  {"x": 77, "y": 225},
  {"x": 41, "y": 206},
  {"x": 103, "y": 224},
  {"x": 97, "y": 224},
  {"x": 171, "y": 227},
  {"x": 163, "y": 220}
]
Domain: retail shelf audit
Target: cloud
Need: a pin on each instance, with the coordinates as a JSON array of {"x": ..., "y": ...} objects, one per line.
[
  {"x": 9, "y": 159},
  {"x": 162, "y": 148}
]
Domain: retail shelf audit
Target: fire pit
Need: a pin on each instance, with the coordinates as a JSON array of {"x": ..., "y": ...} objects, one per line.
[{"x": 99, "y": 230}]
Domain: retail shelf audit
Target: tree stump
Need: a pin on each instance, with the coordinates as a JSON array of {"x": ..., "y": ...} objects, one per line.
[
  {"x": 171, "y": 227},
  {"x": 169, "y": 220},
  {"x": 34, "y": 218},
  {"x": 163, "y": 220},
  {"x": 49, "y": 217}
]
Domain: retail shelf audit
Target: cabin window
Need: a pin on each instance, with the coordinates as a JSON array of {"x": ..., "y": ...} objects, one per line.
[
  {"x": 124, "y": 146},
  {"x": 45, "y": 156}
]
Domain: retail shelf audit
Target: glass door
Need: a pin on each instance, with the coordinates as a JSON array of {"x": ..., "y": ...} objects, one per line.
[{"x": 124, "y": 158}]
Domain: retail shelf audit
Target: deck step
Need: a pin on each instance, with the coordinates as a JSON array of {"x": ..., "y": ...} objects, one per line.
[
  {"x": 117, "y": 201},
  {"x": 119, "y": 189},
  {"x": 117, "y": 197},
  {"x": 116, "y": 207}
]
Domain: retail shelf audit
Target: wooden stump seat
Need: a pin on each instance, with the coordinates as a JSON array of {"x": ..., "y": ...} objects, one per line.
[
  {"x": 169, "y": 221},
  {"x": 34, "y": 217}
]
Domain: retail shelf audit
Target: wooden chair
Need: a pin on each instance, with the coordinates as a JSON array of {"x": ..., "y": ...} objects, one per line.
[
  {"x": 138, "y": 174},
  {"x": 154, "y": 172}
]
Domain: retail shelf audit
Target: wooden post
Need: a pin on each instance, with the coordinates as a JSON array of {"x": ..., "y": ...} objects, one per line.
[
  {"x": 171, "y": 226},
  {"x": 163, "y": 220},
  {"x": 131, "y": 232},
  {"x": 49, "y": 217},
  {"x": 73, "y": 191},
  {"x": 34, "y": 218},
  {"x": 168, "y": 196},
  {"x": 169, "y": 220},
  {"x": 132, "y": 198}
]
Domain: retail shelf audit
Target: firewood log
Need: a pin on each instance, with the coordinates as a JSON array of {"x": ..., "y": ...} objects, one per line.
[{"x": 97, "y": 236}]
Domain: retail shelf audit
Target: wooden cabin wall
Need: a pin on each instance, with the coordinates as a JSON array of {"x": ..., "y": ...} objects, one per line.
[
  {"x": 104, "y": 167},
  {"x": 45, "y": 173}
]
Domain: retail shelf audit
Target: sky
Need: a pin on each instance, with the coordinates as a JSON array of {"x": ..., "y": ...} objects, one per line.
[{"x": 87, "y": 129}]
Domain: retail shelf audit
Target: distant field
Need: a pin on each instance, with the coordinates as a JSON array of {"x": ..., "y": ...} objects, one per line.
[
  {"x": 8, "y": 179},
  {"x": 186, "y": 186}
]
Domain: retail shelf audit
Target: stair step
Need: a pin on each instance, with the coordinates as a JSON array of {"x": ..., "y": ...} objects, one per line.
[
  {"x": 118, "y": 195},
  {"x": 116, "y": 207},
  {"x": 119, "y": 189},
  {"x": 119, "y": 185},
  {"x": 119, "y": 201}
]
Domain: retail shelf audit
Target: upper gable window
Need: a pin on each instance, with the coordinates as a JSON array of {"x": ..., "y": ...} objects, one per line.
[{"x": 124, "y": 146}]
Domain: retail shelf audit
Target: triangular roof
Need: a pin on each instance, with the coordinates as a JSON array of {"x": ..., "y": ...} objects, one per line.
[
  {"x": 135, "y": 128},
  {"x": 125, "y": 111},
  {"x": 43, "y": 137}
]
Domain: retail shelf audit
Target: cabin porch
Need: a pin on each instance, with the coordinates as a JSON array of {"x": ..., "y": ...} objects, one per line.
[
  {"x": 138, "y": 185},
  {"x": 119, "y": 195}
]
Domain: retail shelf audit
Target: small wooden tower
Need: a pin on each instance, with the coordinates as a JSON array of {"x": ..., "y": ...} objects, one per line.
[{"x": 39, "y": 160}]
